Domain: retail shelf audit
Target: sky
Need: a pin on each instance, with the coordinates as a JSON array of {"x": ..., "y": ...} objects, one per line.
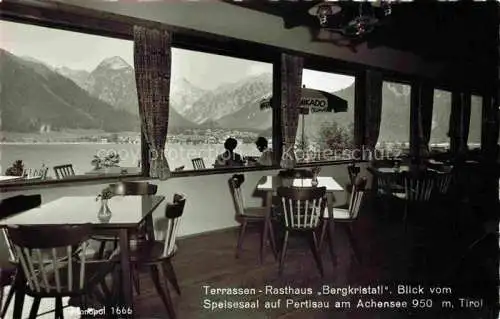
[{"x": 80, "y": 51}]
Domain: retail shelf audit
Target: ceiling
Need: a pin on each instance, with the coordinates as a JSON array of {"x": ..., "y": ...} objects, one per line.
[{"x": 462, "y": 36}]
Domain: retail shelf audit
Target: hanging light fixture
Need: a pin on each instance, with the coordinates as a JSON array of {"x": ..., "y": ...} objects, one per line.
[{"x": 360, "y": 25}]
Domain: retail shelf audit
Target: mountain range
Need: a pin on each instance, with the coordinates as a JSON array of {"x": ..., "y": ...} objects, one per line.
[{"x": 37, "y": 95}]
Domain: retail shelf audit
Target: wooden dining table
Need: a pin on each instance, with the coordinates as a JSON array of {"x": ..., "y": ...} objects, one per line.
[
  {"x": 127, "y": 213},
  {"x": 270, "y": 185}
]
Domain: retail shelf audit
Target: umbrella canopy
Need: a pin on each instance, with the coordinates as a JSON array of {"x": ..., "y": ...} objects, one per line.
[{"x": 314, "y": 101}]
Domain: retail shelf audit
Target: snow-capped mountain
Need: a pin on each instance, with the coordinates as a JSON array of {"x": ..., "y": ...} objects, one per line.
[
  {"x": 229, "y": 99},
  {"x": 183, "y": 94},
  {"x": 113, "y": 81},
  {"x": 80, "y": 77}
]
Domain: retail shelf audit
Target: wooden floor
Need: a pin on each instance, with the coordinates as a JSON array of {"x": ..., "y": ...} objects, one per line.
[
  {"x": 387, "y": 259},
  {"x": 208, "y": 260}
]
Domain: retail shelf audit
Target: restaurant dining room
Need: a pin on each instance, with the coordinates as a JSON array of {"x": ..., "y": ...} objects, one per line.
[{"x": 249, "y": 159}]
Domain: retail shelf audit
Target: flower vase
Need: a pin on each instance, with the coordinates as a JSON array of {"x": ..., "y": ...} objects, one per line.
[
  {"x": 104, "y": 214},
  {"x": 314, "y": 181}
]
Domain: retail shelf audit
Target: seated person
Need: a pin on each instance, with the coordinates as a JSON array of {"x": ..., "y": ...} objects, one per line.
[
  {"x": 229, "y": 157},
  {"x": 266, "y": 158}
]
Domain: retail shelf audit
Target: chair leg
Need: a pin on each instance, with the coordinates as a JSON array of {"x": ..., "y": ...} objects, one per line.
[
  {"x": 263, "y": 241},
  {"x": 353, "y": 243},
  {"x": 313, "y": 244},
  {"x": 34, "y": 307},
  {"x": 19, "y": 294},
  {"x": 165, "y": 296},
  {"x": 240, "y": 238},
  {"x": 12, "y": 290},
  {"x": 328, "y": 229},
  {"x": 322, "y": 234},
  {"x": 135, "y": 279},
  {"x": 170, "y": 273},
  {"x": 59, "y": 308},
  {"x": 283, "y": 253},
  {"x": 268, "y": 223}
]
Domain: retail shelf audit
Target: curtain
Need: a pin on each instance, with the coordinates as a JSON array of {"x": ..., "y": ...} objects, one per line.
[
  {"x": 425, "y": 108},
  {"x": 291, "y": 92},
  {"x": 459, "y": 122},
  {"x": 373, "y": 109},
  {"x": 152, "y": 60},
  {"x": 465, "y": 121}
]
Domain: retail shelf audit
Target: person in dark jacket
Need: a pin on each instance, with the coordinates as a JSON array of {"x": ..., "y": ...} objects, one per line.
[{"x": 229, "y": 157}]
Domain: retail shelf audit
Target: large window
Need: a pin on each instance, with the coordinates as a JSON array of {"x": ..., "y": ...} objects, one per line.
[
  {"x": 476, "y": 111},
  {"x": 67, "y": 98},
  {"x": 213, "y": 98},
  {"x": 395, "y": 124},
  {"x": 440, "y": 139},
  {"x": 325, "y": 133}
]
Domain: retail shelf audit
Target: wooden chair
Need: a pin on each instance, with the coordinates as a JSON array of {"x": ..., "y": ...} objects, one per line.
[
  {"x": 198, "y": 163},
  {"x": 157, "y": 254},
  {"x": 353, "y": 172},
  {"x": 45, "y": 272},
  {"x": 443, "y": 182},
  {"x": 248, "y": 215},
  {"x": 123, "y": 189},
  {"x": 64, "y": 171},
  {"x": 346, "y": 217},
  {"x": 111, "y": 236},
  {"x": 302, "y": 209},
  {"x": 9, "y": 207},
  {"x": 418, "y": 190}
]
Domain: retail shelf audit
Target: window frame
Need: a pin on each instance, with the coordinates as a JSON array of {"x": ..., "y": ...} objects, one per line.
[
  {"x": 320, "y": 66},
  {"x": 435, "y": 88},
  {"x": 404, "y": 81},
  {"x": 74, "y": 18}
]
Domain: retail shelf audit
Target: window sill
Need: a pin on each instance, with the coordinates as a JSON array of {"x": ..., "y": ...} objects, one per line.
[
  {"x": 228, "y": 170},
  {"x": 327, "y": 163},
  {"x": 85, "y": 180},
  {"x": 70, "y": 182}
]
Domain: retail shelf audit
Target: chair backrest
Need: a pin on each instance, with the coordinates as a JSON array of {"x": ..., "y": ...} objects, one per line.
[
  {"x": 302, "y": 207},
  {"x": 37, "y": 248},
  {"x": 63, "y": 171},
  {"x": 14, "y": 205},
  {"x": 386, "y": 182},
  {"x": 198, "y": 163},
  {"x": 296, "y": 173},
  {"x": 235, "y": 183},
  {"x": 169, "y": 225},
  {"x": 353, "y": 172},
  {"x": 134, "y": 188},
  {"x": 357, "y": 195},
  {"x": 443, "y": 182},
  {"x": 419, "y": 185},
  {"x": 36, "y": 172}
]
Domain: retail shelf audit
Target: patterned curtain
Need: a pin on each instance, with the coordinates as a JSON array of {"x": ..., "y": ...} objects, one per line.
[
  {"x": 373, "y": 108},
  {"x": 291, "y": 91},
  {"x": 152, "y": 60},
  {"x": 425, "y": 108}
]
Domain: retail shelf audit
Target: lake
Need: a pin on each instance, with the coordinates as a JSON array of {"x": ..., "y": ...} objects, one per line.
[{"x": 80, "y": 155}]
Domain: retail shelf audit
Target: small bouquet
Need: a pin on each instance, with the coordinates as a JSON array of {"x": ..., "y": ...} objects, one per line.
[
  {"x": 105, "y": 194},
  {"x": 316, "y": 170}
]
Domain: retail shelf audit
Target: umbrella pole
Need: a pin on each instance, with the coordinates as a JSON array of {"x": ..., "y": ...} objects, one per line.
[{"x": 303, "y": 142}]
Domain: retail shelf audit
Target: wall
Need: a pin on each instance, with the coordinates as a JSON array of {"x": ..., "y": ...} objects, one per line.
[
  {"x": 241, "y": 23},
  {"x": 209, "y": 205}
]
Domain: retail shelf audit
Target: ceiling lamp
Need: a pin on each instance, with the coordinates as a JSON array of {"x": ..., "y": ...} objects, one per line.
[
  {"x": 323, "y": 11},
  {"x": 357, "y": 26}
]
